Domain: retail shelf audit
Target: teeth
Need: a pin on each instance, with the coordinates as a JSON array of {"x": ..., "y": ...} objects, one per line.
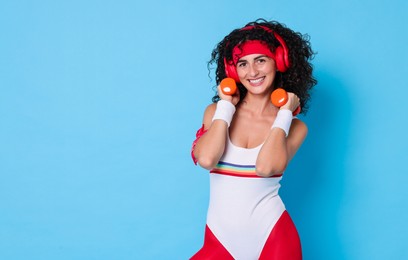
[{"x": 255, "y": 80}]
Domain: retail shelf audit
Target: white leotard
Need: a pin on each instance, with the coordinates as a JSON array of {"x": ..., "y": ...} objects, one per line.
[{"x": 243, "y": 207}]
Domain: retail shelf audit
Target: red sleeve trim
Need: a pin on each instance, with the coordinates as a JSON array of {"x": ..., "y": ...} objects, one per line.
[{"x": 199, "y": 133}]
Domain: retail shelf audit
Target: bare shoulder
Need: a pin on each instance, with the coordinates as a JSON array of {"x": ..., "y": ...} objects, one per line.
[
  {"x": 211, "y": 108},
  {"x": 209, "y": 114}
]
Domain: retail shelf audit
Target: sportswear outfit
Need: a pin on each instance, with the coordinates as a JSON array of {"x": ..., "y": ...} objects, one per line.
[{"x": 246, "y": 218}]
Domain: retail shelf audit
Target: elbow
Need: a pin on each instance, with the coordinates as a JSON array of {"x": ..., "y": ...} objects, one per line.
[
  {"x": 207, "y": 162},
  {"x": 205, "y": 159},
  {"x": 271, "y": 170}
]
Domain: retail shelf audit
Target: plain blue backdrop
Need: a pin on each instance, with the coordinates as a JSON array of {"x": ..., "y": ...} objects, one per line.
[{"x": 100, "y": 102}]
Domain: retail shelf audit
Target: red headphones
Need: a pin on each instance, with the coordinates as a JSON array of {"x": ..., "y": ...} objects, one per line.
[{"x": 281, "y": 56}]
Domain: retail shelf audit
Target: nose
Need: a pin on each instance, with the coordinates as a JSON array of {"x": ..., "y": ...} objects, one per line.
[{"x": 253, "y": 70}]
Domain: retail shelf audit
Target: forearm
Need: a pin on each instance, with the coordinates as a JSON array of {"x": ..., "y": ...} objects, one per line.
[
  {"x": 273, "y": 157},
  {"x": 279, "y": 149},
  {"x": 210, "y": 147}
]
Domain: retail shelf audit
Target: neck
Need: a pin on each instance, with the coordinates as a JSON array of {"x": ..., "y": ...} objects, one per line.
[{"x": 258, "y": 104}]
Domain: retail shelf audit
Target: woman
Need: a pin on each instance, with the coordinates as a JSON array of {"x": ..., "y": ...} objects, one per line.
[{"x": 246, "y": 142}]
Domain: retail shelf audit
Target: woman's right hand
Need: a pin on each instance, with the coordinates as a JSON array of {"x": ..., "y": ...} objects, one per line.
[{"x": 234, "y": 99}]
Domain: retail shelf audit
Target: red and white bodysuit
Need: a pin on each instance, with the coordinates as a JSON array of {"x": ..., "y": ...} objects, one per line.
[{"x": 246, "y": 217}]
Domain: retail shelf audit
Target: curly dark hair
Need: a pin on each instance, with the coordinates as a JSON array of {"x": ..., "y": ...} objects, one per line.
[{"x": 297, "y": 79}]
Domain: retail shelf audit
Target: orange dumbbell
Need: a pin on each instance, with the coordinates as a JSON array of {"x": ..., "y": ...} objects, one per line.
[
  {"x": 279, "y": 97},
  {"x": 228, "y": 86}
]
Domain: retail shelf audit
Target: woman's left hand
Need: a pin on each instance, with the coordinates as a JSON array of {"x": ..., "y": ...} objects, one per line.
[{"x": 292, "y": 103}]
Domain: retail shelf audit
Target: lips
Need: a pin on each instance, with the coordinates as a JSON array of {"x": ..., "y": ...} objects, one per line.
[{"x": 256, "y": 81}]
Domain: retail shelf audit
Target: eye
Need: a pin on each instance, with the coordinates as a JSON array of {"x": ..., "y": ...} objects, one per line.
[
  {"x": 261, "y": 60},
  {"x": 241, "y": 64}
]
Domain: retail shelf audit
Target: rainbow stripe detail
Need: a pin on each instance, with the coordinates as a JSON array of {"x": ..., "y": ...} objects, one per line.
[
  {"x": 237, "y": 170},
  {"x": 234, "y": 169}
]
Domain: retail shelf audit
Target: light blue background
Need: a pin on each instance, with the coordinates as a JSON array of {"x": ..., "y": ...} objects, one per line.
[{"x": 100, "y": 101}]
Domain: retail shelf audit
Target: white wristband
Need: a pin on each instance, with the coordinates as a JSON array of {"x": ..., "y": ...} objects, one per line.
[
  {"x": 283, "y": 120},
  {"x": 225, "y": 111}
]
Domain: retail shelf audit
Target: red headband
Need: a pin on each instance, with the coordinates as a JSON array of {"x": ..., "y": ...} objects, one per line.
[{"x": 251, "y": 47}]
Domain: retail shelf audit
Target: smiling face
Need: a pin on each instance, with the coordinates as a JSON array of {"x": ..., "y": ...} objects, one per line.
[{"x": 257, "y": 73}]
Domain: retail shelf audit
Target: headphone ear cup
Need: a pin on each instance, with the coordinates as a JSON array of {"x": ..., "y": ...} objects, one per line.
[
  {"x": 280, "y": 60},
  {"x": 281, "y": 54},
  {"x": 231, "y": 71}
]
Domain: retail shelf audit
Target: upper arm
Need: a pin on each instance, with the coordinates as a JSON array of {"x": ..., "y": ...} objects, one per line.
[
  {"x": 297, "y": 135},
  {"x": 208, "y": 115},
  {"x": 207, "y": 119}
]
